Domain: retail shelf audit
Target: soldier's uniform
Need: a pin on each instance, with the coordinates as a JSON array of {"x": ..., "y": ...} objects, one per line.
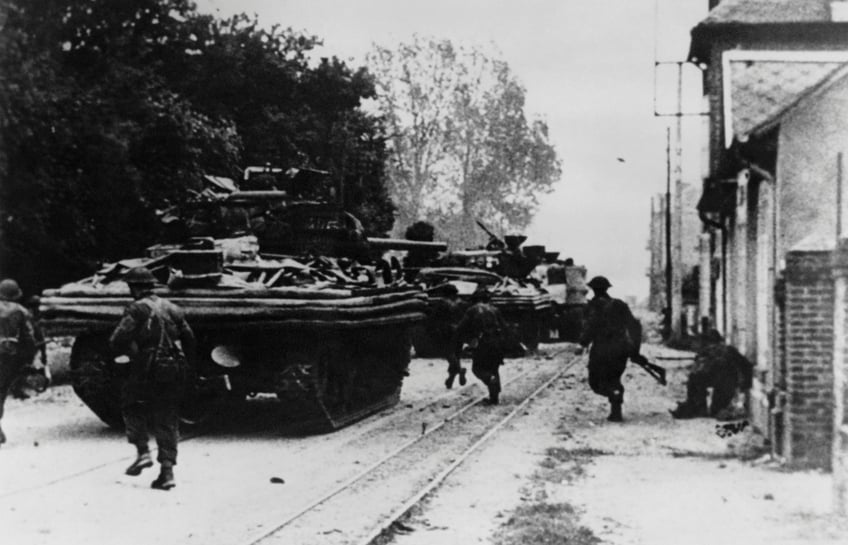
[
  {"x": 149, "y": 326},
  {"x": 484, "y": 326},
  {"x": 610, "y": 329},
  {"x": 443, "y": 316},
  {"x": 17, "y": 340},
  {"x": 717, "y": 366}
]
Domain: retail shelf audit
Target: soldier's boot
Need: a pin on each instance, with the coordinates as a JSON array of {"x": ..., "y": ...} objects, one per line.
[
  {"x": 494, "y": 390},
  {"x": 449, "y": 380},
  {"x": 688, "y": 409},
  {"x": 615, "y": 412},
  {"x": 142, "y": 462},
  {"x": 462, "y": 381},
  {"x": 165, "y": 480},
  {"x": 2, "y": 436}
]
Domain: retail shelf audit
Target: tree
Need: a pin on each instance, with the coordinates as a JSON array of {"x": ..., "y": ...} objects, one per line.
[
  {"x": 110, "y": 110},
  {"x": 461, "y": 147},
  {"x": 286, "y": 111}
]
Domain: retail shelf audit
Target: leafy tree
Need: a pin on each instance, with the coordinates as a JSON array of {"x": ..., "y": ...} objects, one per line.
[
  {"x": 286, "y": 111},
  {"x": 109, "y": 110},
  {"x": 461, "y": 146}
]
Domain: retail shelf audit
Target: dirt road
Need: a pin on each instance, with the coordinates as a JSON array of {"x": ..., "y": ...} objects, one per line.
[
  {"x": 563, "y": 474},
  {"x": 61, "y": 474},
  {"x": 558, "y": 472}
]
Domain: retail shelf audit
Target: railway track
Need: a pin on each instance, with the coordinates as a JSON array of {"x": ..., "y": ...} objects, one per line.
[
  {"x": 371, "y": 482},
  {"x": 350, "y": 434},
  {"x": 333, "y": 488}
]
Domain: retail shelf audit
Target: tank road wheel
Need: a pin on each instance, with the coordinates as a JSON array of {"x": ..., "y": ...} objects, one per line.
[
  {"x": 333, "y": 380},
  {"x": 93, "y": 381},
  {"x": 197, "y": 407},
  {"x": 316, "y": 389}
]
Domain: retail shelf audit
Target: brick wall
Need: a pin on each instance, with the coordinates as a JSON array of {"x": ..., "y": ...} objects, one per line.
[{"x": 809, "y": 359}]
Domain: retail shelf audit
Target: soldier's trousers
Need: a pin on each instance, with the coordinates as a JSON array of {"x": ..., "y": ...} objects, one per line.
[
  {"x": 10, "y": 366},
  {"x": 606, "y": 366},
  {"x": 153, "y": 408},
  {"x": 724, "y": 390},
  {"x": 485, "y": 364},
  {"x": 454, "y": 367}
]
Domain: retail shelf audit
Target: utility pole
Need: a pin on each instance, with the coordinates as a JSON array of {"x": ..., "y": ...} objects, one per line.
[
  {"x": 668, "y": 271},
  {"x": 677, "y": 255},
  {"x": 674, "y": 210}
]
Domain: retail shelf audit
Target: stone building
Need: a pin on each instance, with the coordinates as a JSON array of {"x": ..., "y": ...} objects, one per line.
[{"x": 776, "y": 81}]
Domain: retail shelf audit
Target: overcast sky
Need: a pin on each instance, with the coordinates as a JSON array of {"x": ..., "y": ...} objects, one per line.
[{"x": 588, "y": 67}]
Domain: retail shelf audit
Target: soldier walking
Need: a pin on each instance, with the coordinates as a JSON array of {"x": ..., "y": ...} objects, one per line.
[
  {"x": 444, "y": 315},
  {"x": 611, "y": 331},
  {"x": 17, "y": 340},
  {"x": 484, "y": 328},
  {"x": 154, "y": 334}
]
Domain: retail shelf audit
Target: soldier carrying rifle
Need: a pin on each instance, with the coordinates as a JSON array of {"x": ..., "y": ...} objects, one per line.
[{"x": 614, "y": 335}]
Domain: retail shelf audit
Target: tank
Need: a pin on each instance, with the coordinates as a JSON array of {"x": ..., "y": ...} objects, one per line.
[
  {"x": 503, "y": 269},
  {"x": 298, "y": 305}
]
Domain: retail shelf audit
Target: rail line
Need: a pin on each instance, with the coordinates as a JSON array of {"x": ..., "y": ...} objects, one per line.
[
  {"x": 436, "y": 481},
  {"x": 433, "y": 483},
  {"x": 359, "y": 432}
]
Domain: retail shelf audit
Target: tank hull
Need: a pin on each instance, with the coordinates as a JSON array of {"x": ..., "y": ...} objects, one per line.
[{"x": 332, "y": 356}]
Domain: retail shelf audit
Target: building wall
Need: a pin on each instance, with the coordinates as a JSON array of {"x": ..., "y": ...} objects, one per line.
[
  {"x": 809, "y": 358},
  {"x": 810, "y": 139},
  {"x": 796, "y": 336}
]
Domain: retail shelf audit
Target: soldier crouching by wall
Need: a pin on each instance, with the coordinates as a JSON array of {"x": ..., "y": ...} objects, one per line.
[
  {"x": 610, "y": 329},
  {"x": 485, "y": 329},
  {"x": 720, "y": 367}
]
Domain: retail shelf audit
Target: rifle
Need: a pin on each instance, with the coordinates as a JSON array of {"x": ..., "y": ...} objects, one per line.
[
  {"x": 634, "y": 334},
  {"x": 657, "y": 372}
]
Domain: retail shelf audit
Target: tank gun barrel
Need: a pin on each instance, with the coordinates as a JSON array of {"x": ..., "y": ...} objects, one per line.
[
  {"x": 402, "y": 244},
  {"x": 495, "y": 242},
  {"x": 488, "y": 232},
  {"x": 257, "y": 195}
]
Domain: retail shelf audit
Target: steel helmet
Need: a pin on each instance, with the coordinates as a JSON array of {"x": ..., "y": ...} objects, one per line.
[
  {"x": 139, "y": 276},
  {"x": 599, "y": 283},
  {"x": 10, "y": 291}
]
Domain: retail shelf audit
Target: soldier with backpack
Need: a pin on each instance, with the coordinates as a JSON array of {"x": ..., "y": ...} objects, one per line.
[
  {"x": 160, "y": 345},
  {"x": 17, "y": 339},
  {"x": 485, "y": 329}
]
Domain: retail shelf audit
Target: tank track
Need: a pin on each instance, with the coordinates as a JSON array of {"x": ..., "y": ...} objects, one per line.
[{"x": 339, "y": 387}]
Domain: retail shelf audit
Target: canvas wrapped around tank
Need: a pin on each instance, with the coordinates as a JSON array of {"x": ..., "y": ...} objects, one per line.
[{"x": 251, "y": 291}]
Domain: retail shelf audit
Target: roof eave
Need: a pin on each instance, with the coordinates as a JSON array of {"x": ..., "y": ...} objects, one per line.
[{"x": 704, "y": 34}]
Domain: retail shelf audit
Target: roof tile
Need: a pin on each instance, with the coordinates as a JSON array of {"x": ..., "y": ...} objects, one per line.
[
  {"x": 769, "y": 11},
  {"x": 760, "y": 90}
]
